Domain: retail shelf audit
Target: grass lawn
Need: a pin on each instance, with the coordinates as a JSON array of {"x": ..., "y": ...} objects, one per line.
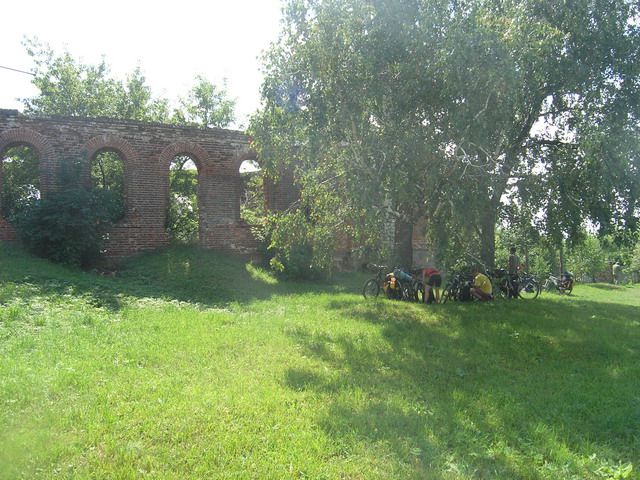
[{"x": 192, "y": 365}]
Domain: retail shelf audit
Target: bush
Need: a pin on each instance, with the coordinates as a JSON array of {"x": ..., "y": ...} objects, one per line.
[
  {"x": 297, "y": 249},
  {"x": 68, "y": 226},
  {"x": 182, "y": 221}
]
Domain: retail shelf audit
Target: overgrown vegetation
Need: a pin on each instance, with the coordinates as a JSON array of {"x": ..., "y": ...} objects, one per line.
[
  {"x": 20, "y": 179},
  {"x": 488, "y": 119},
  {"x": 193, "y": 365},
  {"x": 183, "y": 220},
  {"x": 470, "y": 114},
  {"x": 107, "y": 176},
  {"x": 70, "y": 224}
]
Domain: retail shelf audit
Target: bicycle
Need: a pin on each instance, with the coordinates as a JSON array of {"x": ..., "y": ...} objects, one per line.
[
  {"x": 562, "y": 284},
  {"x": 373, "y": 286},
  {"x": 410, "y": 285},
  {"x": 393, "y": 288},
  {"x": 524, "y": 286},
  {"x": 503, "y": 285},
  {"x": 528, "y": 287},
  {"x": 416, "y": 290},
  {"x": 457, "y": 288}
]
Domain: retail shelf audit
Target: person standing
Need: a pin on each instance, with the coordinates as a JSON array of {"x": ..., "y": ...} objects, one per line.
[{"x": 616, "y": 271}]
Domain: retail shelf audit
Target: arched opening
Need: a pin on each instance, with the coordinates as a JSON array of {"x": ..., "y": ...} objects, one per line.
[
  {"x": 19, "y": 180},
  {"x": 183, "y": 217},
  {"x": 107, "y": 177},
  {"x": 252, "y": 202}
]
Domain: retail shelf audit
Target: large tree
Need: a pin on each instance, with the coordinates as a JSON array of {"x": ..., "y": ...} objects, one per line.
[
  {"x": 206, "y": 106},
  {"x": 69, "y": 87},
  {"x": 452, "y": 106}
]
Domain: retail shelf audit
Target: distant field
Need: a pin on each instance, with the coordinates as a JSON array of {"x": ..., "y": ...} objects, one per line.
[{"x": 192, "y": 365}]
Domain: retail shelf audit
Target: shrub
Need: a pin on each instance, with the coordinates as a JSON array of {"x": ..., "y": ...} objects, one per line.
[
  {"x": 68, "y": 226},
  {"x": 297, "y": 248}
]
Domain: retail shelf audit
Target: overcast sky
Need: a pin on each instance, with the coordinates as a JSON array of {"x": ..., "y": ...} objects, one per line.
[{"x": 172, "y": 41}]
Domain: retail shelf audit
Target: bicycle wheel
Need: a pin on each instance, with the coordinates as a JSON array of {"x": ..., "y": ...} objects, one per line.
[
  {"x": 371, "y": 289},
  {"x": 501, "y": 289},
  {"x": 447, "y": 294},
  {"x": 407, "y": 293},
  {"x": 444, "y": 297},
  {"x": 528, "y": 289},
  {"x": 569, "y": 288}
]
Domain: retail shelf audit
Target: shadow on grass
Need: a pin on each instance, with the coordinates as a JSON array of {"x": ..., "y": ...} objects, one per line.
[
  {"x": 187, "y": 274},
  {"x": 503, "y": 390}
]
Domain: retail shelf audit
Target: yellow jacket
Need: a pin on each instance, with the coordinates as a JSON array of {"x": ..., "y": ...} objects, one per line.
[{"x": 482, "y": 282}]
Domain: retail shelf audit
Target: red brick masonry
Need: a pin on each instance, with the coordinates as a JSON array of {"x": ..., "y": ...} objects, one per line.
[{"x": 146, "y": 150}]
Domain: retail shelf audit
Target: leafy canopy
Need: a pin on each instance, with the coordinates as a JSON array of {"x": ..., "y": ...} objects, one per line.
[{"x": 454, "y": 110}]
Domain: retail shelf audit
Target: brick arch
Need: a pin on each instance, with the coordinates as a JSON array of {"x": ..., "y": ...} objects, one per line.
[
  {"x": 110, "y": 142},
  {"x": 199, "y": 156},
  {"x": 129, "y": 158},
  {"x": 46, "y": 152},
  {"x": 242, "y": 153},
  {"x": 27, "y": 136},
  {"x": 196, "y": 152}
]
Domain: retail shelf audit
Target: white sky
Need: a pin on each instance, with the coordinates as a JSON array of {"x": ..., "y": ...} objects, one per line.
[{"x": 171, "y": 41}]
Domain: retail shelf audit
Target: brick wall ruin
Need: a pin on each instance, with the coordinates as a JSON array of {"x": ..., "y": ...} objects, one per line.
[{"x": 146, "y": 150}]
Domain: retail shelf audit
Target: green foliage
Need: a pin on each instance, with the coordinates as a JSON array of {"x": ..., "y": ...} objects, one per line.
[
  {"x": 20, "y": 170},
  {"x": 297, "y": 251},
  {"x": 206, "y": 106},
  {"x": 69, "y": 87},
  {"x": 183, "y": 221},
  {"x": 107, "y": 175},
  {"x": 303, "y": 239},
  {"x": 534, "y": 253},
  {"x": 68, "y": 225},
  {"x": 635, "y": 259},
  {"x": 449, "y": 108},
  {"x": 252, "y": 202},
  {"x": 588, "y": 259}
]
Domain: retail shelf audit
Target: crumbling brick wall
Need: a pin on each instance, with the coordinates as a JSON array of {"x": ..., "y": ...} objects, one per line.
[{"x": 146, "y": 150}]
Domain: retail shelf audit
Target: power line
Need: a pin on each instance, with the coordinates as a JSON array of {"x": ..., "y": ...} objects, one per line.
[{"x": 19, "y": 71}]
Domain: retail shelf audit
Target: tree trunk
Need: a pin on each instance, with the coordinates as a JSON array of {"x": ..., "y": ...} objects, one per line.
[
  {"x": 403, "y": 248},
  {"x": 561, "y": 258},
  {"x": 488, "y": 239}
]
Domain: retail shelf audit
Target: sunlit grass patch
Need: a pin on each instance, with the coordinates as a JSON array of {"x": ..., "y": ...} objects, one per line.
[{"x": 222, "y": 371}]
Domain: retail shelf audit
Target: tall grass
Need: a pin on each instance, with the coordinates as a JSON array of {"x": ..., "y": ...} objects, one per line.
[{"x": 189, "y": 364}]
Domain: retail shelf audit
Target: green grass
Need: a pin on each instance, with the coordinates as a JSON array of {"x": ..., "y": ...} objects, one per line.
[{"x": 193, "y": 365}]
